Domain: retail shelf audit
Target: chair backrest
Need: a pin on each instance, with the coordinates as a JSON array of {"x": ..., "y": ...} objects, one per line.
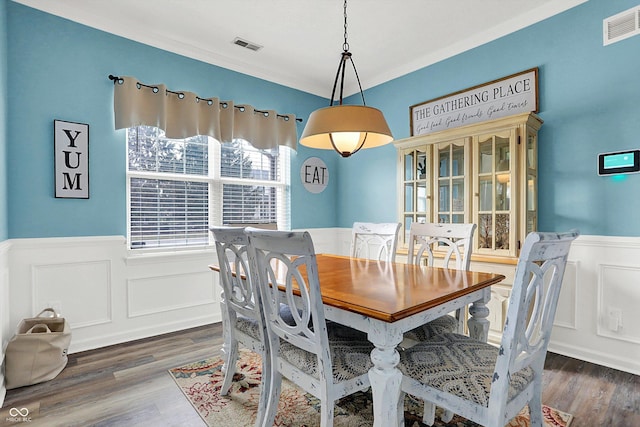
[
  {"x": 532, "y": 308},
  {"x": 456, "y": 239},
  {"x": 239, "y": 293},
  {"x": 288, "y": 259},
  {"x": 377, "y": 241}
]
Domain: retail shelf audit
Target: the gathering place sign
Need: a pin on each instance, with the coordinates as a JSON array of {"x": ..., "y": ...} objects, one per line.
[{"x": 517, "y": 93}]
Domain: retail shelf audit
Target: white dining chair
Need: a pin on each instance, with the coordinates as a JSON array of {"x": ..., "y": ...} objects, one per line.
[
  {"x": 486, "y": 384},
  {"x": 455, "y": 242},
  {"x": 377, "y": 241},
  {"x": 242, "y": 318},
  {"x": 327, "y": 360}
]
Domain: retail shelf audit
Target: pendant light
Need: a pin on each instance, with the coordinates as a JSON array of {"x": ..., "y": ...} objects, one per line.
[{"x": 346, "y": 128}]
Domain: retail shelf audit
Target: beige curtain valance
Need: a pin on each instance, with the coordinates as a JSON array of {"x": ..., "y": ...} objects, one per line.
[{"x": 184, "y": 114}]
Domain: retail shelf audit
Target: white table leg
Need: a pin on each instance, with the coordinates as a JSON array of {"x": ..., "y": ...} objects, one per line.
[
  {"x": 478, "y": 322},
  {"x": 385, "y": 377}
]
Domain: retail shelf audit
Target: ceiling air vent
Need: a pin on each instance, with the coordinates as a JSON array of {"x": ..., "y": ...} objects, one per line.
[
  {"x": 621, "y": 26},
  {"x": 246, "y": 44}
]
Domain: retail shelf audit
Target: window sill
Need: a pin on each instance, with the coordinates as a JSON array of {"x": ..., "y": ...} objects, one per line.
[{"x": 137, "y": 257}]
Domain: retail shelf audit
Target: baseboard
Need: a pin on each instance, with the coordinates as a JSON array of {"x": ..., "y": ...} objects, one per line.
[
  {"x": 141, "y": 333},
  {"x": 596, "y": 357}
]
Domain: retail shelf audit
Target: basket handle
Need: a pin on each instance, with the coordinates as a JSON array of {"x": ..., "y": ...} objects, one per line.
[{"x": 40, "y": 328}]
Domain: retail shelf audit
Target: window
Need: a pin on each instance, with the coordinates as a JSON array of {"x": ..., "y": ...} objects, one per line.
[{"x": 176, "y": 188}]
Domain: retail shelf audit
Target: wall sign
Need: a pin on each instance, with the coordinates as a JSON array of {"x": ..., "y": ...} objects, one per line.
[
  {"x": 517, "y": 93},
  {"x": 71, "y": 157},
  {"x": 314, "y": 175}
]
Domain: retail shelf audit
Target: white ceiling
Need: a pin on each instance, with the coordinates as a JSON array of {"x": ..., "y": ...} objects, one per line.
[{"x": 302, "y": 39}]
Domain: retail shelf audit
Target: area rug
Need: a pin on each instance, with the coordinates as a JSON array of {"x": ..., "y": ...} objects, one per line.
[{"x": 201, "y": 381}]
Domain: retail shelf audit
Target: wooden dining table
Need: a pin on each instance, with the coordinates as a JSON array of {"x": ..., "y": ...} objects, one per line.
[{"x": 385, "y": 300}]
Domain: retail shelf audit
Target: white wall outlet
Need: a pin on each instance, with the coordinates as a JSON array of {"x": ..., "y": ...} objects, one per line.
[{"x": 56, "y": 305}]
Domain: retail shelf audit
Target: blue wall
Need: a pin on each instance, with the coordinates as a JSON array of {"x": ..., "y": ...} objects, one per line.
[
  {"x": 4, "y": 228},
  {"x": 589, "y": 101},
  {"x": 58, "y": 69}
]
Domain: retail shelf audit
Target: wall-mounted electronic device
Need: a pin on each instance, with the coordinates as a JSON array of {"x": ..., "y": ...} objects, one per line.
[{"x": 619, "y": 162}]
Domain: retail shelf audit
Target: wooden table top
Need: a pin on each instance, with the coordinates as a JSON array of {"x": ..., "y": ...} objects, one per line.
[{"x": 392, "y": 291}]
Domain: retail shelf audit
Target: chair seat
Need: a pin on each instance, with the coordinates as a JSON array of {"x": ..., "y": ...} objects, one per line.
[
  {"x": 442, "y": 325},
  {"x": 459, "y": 365},
  {"x": 350, "y": 353},
  {"x": 251, "y": 327}
]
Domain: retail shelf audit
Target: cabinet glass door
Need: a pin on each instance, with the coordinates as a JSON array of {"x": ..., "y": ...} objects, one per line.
[
  {"x": 416, "y": 194},
  {"x": 531, "y": 193},
  {"x": 493, "y": 192},
  {"x": 449, "y": 164}
]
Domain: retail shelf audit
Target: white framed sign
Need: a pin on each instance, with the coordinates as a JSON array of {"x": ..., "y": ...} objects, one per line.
[
  {"x": 314, "y": 175},
  {"x": 517, "y": 93},
  {"x": 71, "y": 157}
]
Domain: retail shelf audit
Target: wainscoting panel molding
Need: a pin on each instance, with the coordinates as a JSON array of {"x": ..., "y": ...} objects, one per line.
[
  {"x": 618, "y": 299},
  {"x": 74, "y": 281},
  {"x": 566, "y": 317},
  {"x": 195, "y": 289}
]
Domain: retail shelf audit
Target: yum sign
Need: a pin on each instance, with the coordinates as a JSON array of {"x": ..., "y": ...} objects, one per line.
[{"x": 71, "y": 141}]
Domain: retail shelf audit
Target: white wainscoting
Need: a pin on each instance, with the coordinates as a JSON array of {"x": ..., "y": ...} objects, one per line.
[
  {"x": 598, "y": 318},
  {"x": 111, "y": 296},
  {"x": 330, "y": 240},
  {"x": 5, "y": 325},
  {"x": 108, "y": 294}
]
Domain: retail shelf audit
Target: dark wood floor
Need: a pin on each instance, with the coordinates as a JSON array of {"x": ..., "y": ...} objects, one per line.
[{"x": 128, "y": 385}]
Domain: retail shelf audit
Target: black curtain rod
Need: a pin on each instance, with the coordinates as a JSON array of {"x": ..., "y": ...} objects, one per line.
[{"x": 117, "y": 79}]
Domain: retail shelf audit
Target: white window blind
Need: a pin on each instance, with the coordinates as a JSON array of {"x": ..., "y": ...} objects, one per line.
[
  {"x": 244, "y": 200},
  {"x": 168, "y": 213},
  {"x": 178, "y": 188}
]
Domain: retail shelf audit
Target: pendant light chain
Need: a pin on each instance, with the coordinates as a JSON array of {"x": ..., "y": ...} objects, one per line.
[
  {"x": 345, "y": 46},
  {"x": 346, "y": 56}
]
